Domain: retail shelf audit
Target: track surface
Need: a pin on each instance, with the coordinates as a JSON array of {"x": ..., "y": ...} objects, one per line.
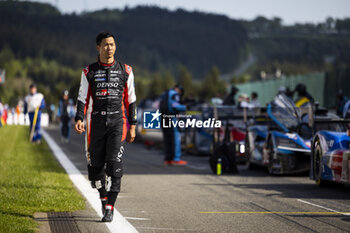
[{"x": 158, "y": 198}]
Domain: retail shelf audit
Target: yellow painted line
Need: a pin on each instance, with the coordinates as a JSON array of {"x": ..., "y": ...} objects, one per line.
[{"x": 267, "y": 212}]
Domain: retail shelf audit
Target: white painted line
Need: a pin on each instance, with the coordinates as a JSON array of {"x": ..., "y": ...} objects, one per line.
[
  {"x": 119, "y": 224},
  {"x": 141, "y": 219},
  {"x": 322, "y": 207}
]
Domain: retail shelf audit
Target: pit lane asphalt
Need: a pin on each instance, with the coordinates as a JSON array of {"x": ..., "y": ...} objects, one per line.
[{"x": 158, "y": 198}]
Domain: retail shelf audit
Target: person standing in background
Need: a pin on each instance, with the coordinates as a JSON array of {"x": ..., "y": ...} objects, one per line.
[
  {"x": 171, "y": 135},
  {"x": 230, "y": 98},
  {"x": 1, "y": 113},
  {"x": 341, "y": 101},
  {"x": 33, "y": 105},
  {"x": 304, "y": 96},
  {"x": 65, "y": 114},
  {"x": 18, "y": 113},
  {"x": 254, "y": 103}
]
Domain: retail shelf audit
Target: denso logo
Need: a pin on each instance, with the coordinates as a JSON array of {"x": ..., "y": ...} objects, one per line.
[{"x": 107, "y": 85}]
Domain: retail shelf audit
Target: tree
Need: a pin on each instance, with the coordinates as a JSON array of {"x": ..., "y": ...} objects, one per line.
[
  {"x": 213, "y": 86},
  {"x": 185, "y": 80},
  {"x": 156, "y": 86},
  {"x": 168, "y": 80}
]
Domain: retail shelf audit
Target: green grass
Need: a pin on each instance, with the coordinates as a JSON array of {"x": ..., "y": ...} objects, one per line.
[{"x": 31, "y": 180}]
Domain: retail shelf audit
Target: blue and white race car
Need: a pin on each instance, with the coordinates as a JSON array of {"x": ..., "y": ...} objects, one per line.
[
  {"x": 330, "y": 157},
  {"x": 281, "y": 140}
]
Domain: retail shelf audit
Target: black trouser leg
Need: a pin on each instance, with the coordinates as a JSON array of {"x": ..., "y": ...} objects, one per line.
[
  {"x": 114, "y": 191},
  {"x": 168, "y": 141},
  {"x": 65, "y": 126},
  {"x": 97, "y": 177}
]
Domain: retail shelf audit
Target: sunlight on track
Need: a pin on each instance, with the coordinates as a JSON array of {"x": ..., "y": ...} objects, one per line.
[{"x": 268, "y": 212}]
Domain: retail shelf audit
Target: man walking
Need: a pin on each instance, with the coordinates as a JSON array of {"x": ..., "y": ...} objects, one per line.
[
  {"x": 33, "y": 105},
  {"x": 107, "y": 92}
]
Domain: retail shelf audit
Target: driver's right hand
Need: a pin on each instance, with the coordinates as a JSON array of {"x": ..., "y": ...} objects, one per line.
[{"x": 79, "y": 127}]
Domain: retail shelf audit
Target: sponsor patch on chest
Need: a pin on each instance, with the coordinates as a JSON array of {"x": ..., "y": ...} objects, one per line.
[
  {"x": 100, "y": 79},
  {"x": 114, "y": 79}
]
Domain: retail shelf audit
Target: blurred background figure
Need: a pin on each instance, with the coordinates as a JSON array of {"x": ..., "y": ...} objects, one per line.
[
  {"x": 170, "y": 105},
  {"x": 65, "y": 115},
  {"x": 303, "y": 96},
  {"x": 18, "y": 113},
  {"x": 1, "y": 113},
  {"x": 289, "y": 93},
  {"x": 254, "y": 103},
  {"x": 341, "y": 101},
  {"x": 286, "y": 91},
  {"x": 282, "y": 90},
  {"x": 33, "y": 105},
  {"x": 243, "y": 101},
  {"x": 5, "y": 113},
  {"x": 217, "y": 100},
  {"x": 346, "y": 110},
  {"x": 230, "y": 98},
  {"x": 52, "y": 113}
]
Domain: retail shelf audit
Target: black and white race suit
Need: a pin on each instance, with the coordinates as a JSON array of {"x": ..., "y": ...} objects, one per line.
[{"x": 107, "y": 98}]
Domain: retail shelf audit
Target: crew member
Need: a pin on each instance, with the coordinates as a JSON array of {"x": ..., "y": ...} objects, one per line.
[
  {"x": 303, "y": 96},
  {"x": 65, "y": 114},
  {"x": 171, "y": 135},
  {"x": 33, "y": 105}
]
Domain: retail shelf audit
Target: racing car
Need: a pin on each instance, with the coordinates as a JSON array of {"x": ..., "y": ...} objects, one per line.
[
  {"x": 330, "y": 156},
  {"x": 198, "y": 140},
  {"x": 280, "y": 140},
  {"x": 201, "y": 140}
]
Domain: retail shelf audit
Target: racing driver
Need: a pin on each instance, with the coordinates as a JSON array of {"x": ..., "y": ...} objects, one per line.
[{"x": 107, "y": 98}]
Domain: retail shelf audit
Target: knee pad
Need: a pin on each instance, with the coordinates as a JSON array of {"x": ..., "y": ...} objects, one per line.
[
  {"x": 95, "y": 173},
  {"x": 97, "y": 184},
  {"x": 114, "y": 169},
  {"x": 114, "y": 185}
]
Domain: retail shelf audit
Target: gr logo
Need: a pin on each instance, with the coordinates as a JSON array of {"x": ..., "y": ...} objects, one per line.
[{"x": 151, "y": 120}]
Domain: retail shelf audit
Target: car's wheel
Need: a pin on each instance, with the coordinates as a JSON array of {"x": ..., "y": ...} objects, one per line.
[
  {"x": 247, "y": 149},
  {"x": 249, "y": 164},
  {"x": 273, "y": 157},
  {"x": 317, "y": 163}
]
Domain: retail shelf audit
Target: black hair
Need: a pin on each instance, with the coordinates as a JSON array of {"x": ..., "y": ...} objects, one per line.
[
  {"x": 234, "y": 89},
  {"x": 181, "y": 88},
  {"x": 103, "y": 35},
  {"x": 254, "y": 95},
  {"x": 32, "y": 85},
  {"x": 300, "y": 88}
]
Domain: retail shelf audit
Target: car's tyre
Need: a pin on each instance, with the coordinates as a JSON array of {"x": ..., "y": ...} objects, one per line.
[
  {"x": 247, "y": 151},
  {"x": 317, "y": 163},
  {"x": 273, "y": 157}
]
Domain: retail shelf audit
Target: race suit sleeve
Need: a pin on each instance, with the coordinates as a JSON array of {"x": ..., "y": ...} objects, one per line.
[
  {"x": 84, "y": 94},
  {"x": 130, "y": 97}
]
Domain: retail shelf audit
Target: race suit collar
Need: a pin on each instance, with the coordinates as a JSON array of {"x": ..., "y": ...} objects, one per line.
[{"x": 105, "y": 64}]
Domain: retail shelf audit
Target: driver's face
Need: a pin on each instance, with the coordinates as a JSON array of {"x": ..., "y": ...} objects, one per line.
[{"x": 107, "y": 48}]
